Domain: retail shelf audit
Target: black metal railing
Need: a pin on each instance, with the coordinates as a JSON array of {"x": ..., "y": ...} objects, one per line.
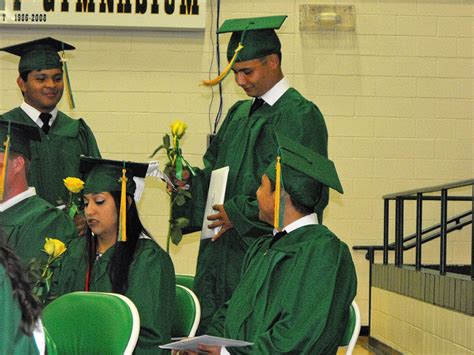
[{"x": 423, "y": 235}]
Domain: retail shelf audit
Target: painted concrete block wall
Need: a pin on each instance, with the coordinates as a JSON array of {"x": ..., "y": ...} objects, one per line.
[
  {"x": 415, "y": 327},
  {"x": 397, "y": 96}
]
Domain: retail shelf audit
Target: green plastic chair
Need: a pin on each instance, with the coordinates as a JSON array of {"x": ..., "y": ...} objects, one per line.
[
  {"x": 92, "y": 323},
  {"x": 51, "y": 347},
  {"x": 185, "y": 280},
  {"x": 187, "y": 313},
  {"x": 351, "y": 333}
]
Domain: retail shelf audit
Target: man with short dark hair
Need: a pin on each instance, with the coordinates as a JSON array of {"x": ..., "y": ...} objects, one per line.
[
  {"x": 298, "y": 284},
  {"x": 64, "y": 140},
  {"x": 246, "y": 143},
  {"x": 26, "y": 218}
]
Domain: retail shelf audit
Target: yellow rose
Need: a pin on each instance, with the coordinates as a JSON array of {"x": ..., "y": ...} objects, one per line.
[
  {"x": 178, "y": 128},
  {"x": 54, "y": 247},
  {"x": 73, "y": 184}
]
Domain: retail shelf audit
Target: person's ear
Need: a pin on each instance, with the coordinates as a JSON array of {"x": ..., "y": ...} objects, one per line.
[
  {"x": 273, "y": 61},
  {"x": 21, "y": 84},
  {"x": 19, "y": 164}
]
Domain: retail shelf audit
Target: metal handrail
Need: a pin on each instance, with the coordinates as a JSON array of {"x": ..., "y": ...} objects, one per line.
[
  {"x": 429, "y": 189},
  {"x": 445, "y": 226},
  {"x": 457, "y": 226}
]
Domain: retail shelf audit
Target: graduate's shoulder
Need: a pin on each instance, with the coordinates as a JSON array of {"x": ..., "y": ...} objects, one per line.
[
  {"x": 16, "y": 114},
  {"x": 293, "y": 101},
  {"x": 147, "y": 248},
  {"x": 318, "y": 239},
  {"x": 69, "y": 126}
]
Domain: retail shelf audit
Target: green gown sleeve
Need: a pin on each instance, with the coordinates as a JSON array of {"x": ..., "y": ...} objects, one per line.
[
  {"x": 29, "y": 222},
  {"x": 152, "y": 289},
  {"x": 87, "y": 140}
]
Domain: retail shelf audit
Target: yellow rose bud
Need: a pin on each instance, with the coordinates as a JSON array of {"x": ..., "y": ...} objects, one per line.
[
  {"x": 178, "y": 128},
  {"x": 73, "y": 184},
  {"x": 54, "y": 247}
]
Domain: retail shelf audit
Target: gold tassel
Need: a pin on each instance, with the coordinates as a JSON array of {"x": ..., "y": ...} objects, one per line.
[
  {"x": 4, "y": 168},
  {"x": 276, "y": 222},
  {"x": 123, "y": 209},
  {"x": 226, "y": 71},
  {"x": 67, "y": 83}
]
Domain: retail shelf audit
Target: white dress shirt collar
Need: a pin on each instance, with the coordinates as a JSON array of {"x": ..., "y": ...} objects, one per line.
[
  {"x": 34, "y": 114},
  {"x": 277, "y": 91},
  {"x": 309, "y": 219},
  {"x": 30, "y": 192}
]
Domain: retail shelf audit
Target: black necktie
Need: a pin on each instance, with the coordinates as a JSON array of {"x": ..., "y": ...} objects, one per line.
[
  {"x": 277, "y": 237},
  {"x": 45, "y": 117},
  {"x": 257, "y": 103}
]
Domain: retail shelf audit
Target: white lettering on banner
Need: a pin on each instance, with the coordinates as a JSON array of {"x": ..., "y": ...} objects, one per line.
[{"x": 140, "y": 14}]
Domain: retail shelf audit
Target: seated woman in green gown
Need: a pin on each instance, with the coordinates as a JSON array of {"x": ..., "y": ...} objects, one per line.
[
  {"x": 121, "y": 257},
  {"x": 21, "y": 331}
]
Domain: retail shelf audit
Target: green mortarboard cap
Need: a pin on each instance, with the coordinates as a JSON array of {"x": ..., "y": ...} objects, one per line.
[
  {"x": 303, "y": 171},
  {"x": 20, "y": 136},
  {"x": 105, "y": 175},
  {"x": 256, "y": 34},
  {"x": 39, "y": 54}
]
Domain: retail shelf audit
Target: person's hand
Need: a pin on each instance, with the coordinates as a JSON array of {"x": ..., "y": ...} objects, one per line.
[
  {"x": 210, "y": 349},
  {"x": 81, "y": 224},
  {"x": 220, "y": 219}
]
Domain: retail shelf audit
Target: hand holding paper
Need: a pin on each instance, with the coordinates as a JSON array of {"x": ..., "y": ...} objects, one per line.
[
  {"x": 215, "y": 198},
  {"x": 221, "y": 222}
]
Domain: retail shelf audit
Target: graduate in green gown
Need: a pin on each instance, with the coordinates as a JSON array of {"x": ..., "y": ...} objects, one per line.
[
  {"x": 246, "y": 143},
  {"x": 19, "y": 320},
  {"x": 25, "y": 218},
  {"x": 121, "y": 257},
  {"x": 56, "y": 155},
  {"x": 297, "y": 285}
]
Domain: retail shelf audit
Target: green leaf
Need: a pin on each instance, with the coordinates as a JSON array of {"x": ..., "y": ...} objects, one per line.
[
  {"x": 179, "y": 200},
  {"x": 176, "y": 234},
  {"x": 157, "y": 150},
  {"x": 166, "y": 141},
  {"x": 181, "y": 222},
  {"x": 186, "y": 194}
]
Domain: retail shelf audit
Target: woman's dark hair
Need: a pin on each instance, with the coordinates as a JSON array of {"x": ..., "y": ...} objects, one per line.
[
  {"x": 22, "y": 291},
  {"x": 122, "y": 256}
]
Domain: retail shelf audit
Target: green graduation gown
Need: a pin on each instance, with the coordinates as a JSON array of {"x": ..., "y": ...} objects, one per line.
[
  {"x": 246, "y": 144},
  {"x": 12, "y": 339},
  {"x": 294, "y": 295},
  {"x": 56, "y": 156},
  {"x": 151, "y": 287},
  {"x": 27, "y": 223}
]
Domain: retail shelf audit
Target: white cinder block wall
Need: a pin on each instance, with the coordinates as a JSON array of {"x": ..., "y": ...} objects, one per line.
[{"x": 397, "y": 95}]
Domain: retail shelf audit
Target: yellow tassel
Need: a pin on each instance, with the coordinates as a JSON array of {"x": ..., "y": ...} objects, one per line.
[
  {"x": 226, "y": 71},
  {"x": 276, "y": 223},
  {"x": 123, "y": 208},
  {"x": 67, "y": 83},
  {"x": 4, "y": 168}
]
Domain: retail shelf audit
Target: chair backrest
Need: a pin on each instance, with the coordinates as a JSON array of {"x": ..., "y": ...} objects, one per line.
[
  {"x": 351, "y": 333},
  {"x": 185, "y": 280},
  {"x": 51, "y": 348},
  {"x": 187, "y": 313},
  {"x": 92, "y": 323}
]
